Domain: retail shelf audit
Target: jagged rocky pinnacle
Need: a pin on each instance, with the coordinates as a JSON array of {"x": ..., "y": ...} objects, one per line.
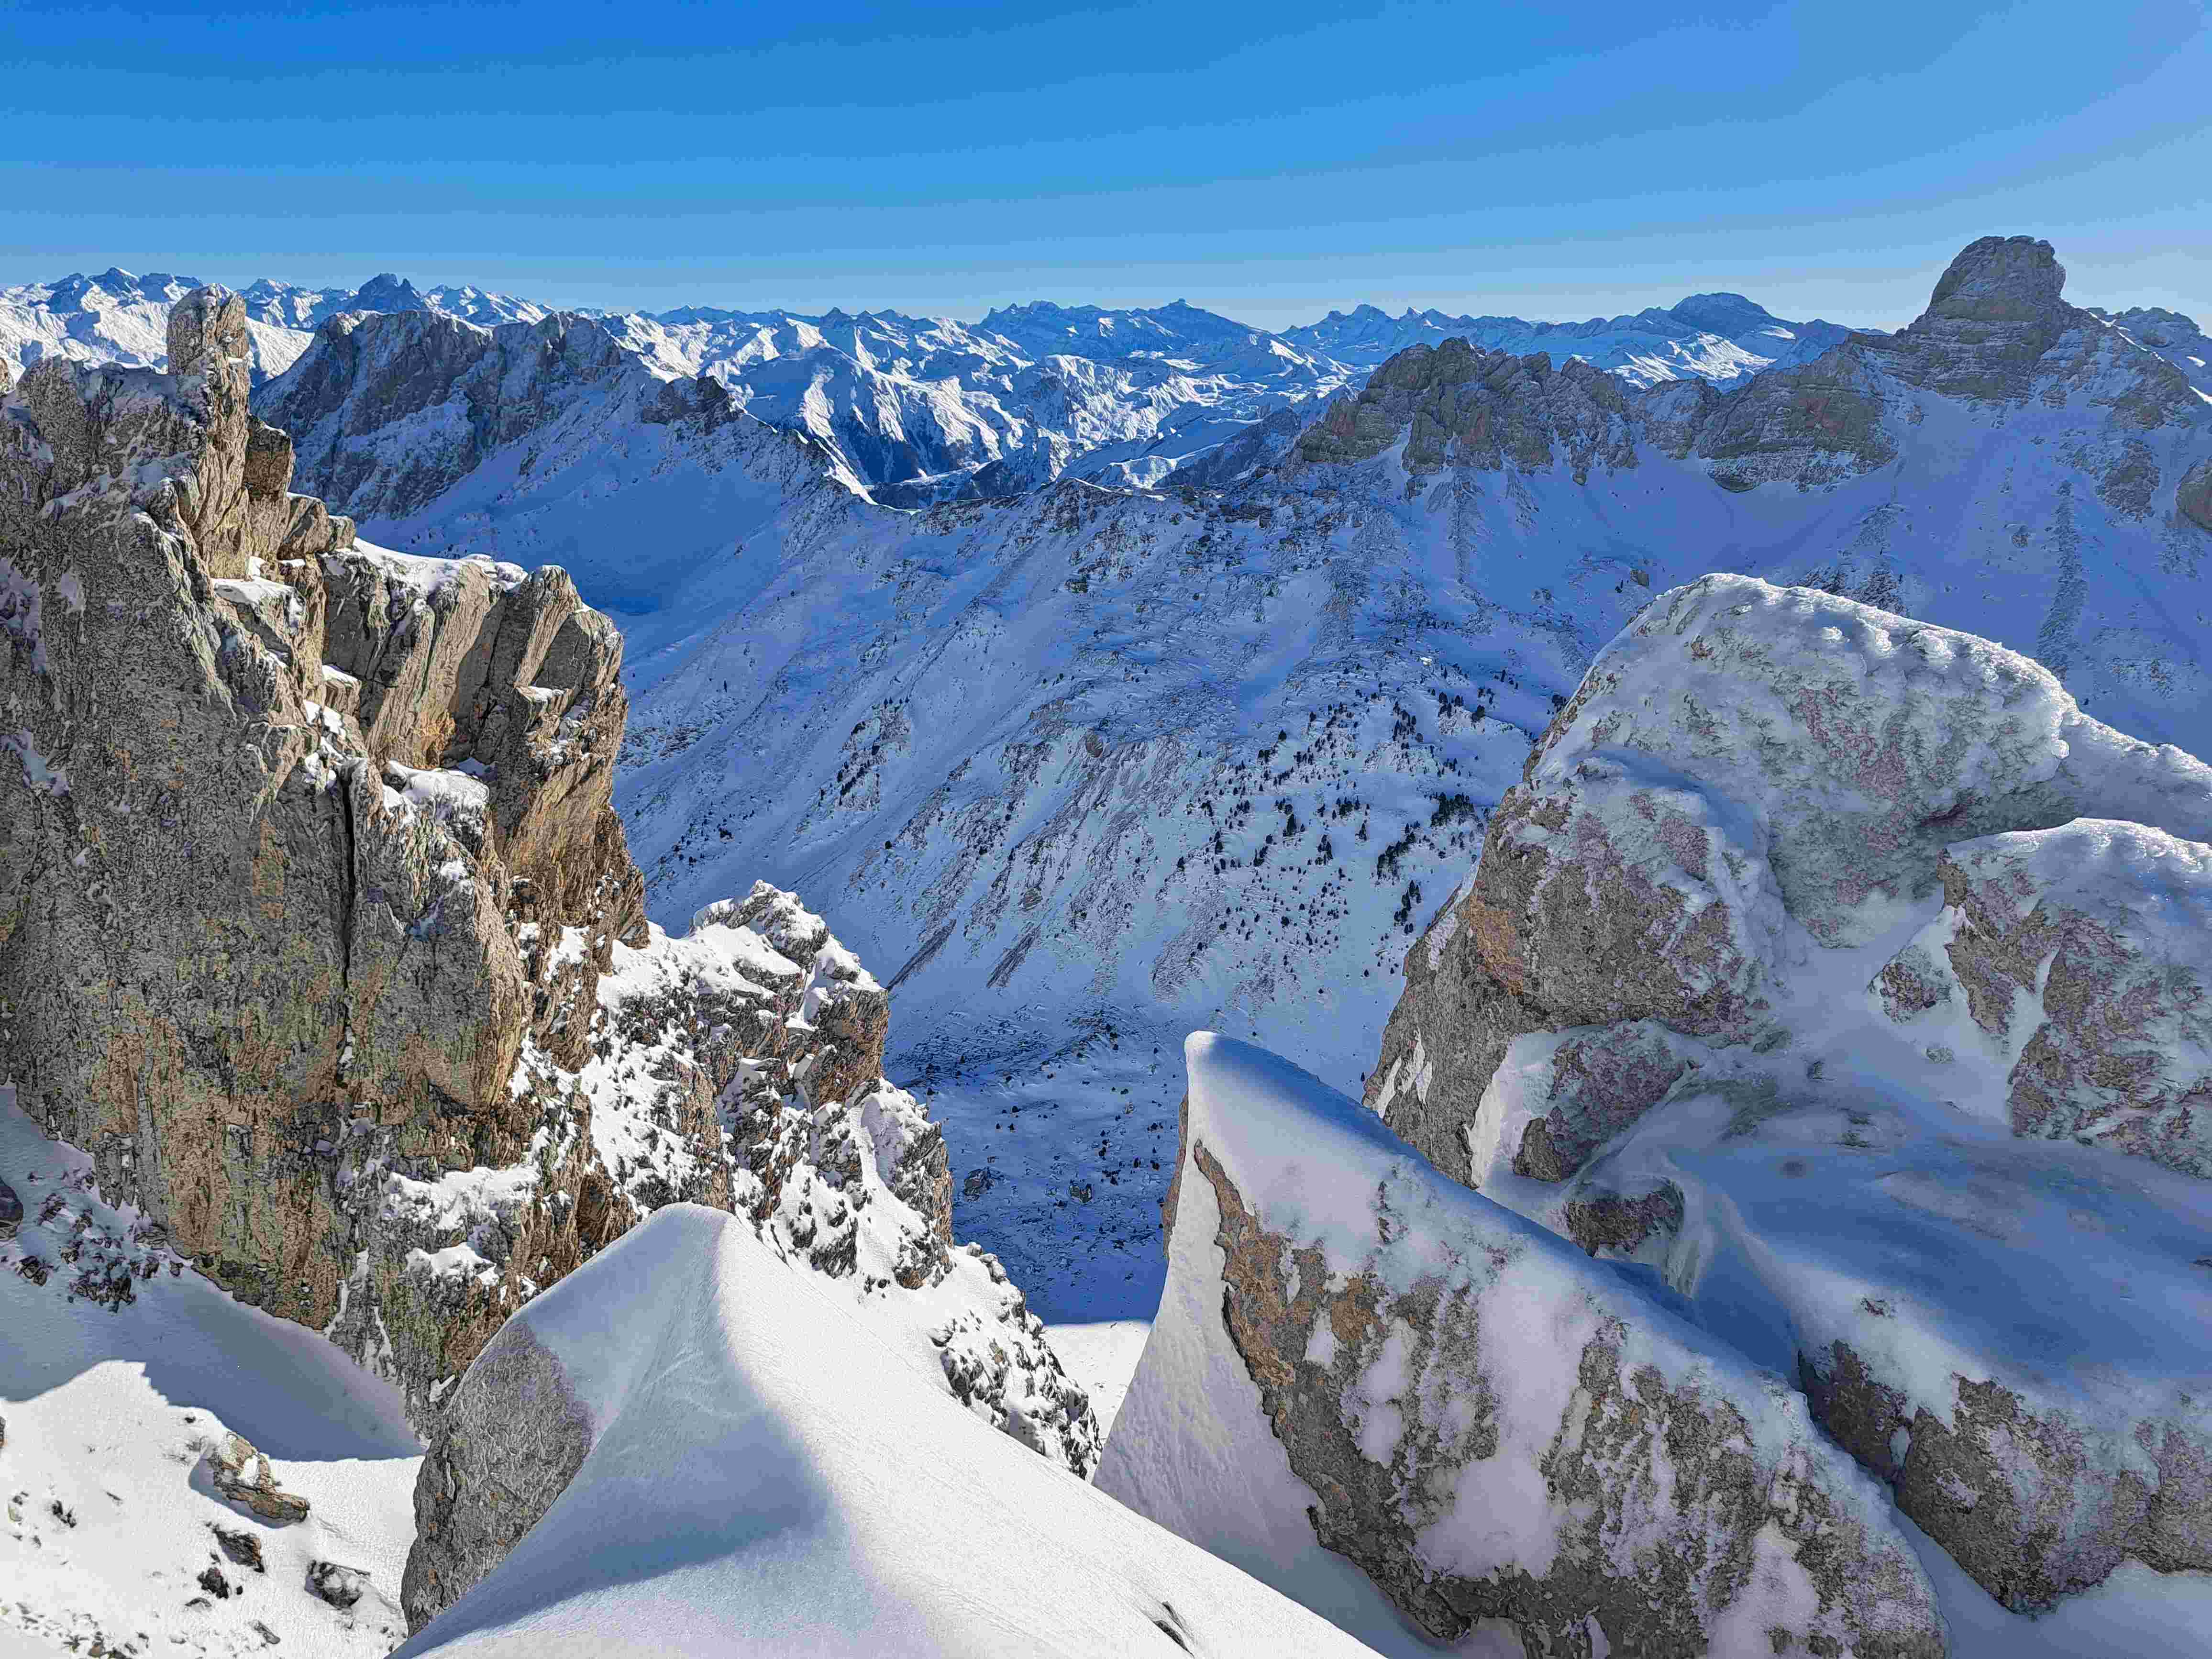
[{"x": 319, "y": 931}]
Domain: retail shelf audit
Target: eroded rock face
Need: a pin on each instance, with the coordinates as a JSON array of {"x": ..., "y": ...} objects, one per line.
[
  {"x": 1747, "y": 774},
  {"x": 1489, "y": 1425},
  {"x": 282, "y": 803},
  {"x": 1669, "y": 1011},
  {"x": 319, "y": 933},
  {"x": 2022, "y": 1501}
]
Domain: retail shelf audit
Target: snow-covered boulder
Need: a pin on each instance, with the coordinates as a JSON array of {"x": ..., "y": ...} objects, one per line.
[
  {"x": 1749, "y": 779},
  {"x": 1809, "y": 932},
  {"x": 692, "y": 1447},
  {"x": 1360, "y": 1363}
]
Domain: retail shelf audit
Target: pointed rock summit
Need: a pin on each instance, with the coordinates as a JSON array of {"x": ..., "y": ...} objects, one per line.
[{"x": 2002, "y": 279}]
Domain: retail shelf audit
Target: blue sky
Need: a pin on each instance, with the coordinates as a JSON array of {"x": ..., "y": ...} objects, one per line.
[{"x": 1270, "y": 161}]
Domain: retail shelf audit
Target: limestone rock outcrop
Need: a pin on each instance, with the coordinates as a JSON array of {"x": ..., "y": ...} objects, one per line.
[
  {"x": 1491, "y": 1426},
  {"x": 319, "y": 934},
  {"x": 1831, "y": 953},
  {"x": 278, "y": 805}
]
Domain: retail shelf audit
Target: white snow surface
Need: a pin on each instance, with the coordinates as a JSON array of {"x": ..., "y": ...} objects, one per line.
[
  {"x": 767, "y": 1478},
  {"x": 109, "y": 1512}
]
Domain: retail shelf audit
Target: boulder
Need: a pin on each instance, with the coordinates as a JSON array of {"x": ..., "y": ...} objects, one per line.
[
  {"x": 340, "y": 1586},
  {"x": 1490, "y": 1426},
  {"x": 2083, "y": 957},
  {"x": 242, "y": 1476},
  {"x": 242, "y": 1548}
]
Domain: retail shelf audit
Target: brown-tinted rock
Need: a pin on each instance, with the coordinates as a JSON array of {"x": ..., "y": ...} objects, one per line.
[
  {"x": 242, "y": 1476},
  {"x": 1476, "y": 1459},
  {"x": 2087, "y": 951},
  {"x": 2018, "y": 1499}
]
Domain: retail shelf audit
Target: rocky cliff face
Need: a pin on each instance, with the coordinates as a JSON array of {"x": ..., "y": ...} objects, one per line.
[
  {"x": 1809, "y": 932},
  {"x": 285, "y": 805},
  {"x": 319, "y": 931}
]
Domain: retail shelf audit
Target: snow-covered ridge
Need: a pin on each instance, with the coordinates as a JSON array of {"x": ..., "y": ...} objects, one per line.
[{"x": 693, "y": 1449}]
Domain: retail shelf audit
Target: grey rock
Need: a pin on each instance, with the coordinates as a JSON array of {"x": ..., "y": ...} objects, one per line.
[
  {"x": 340, "y": 1586},
  {"x": 11, "y": 1212},
  {"x": 2019, "y": 1498},
  {"x": 205, "y": 830},
  {"x": 1385, "y": 1348},
  {"x": 511, "y": 1437},
  {"x": 243, "y": 1549},
  {"x": 242, "y": 1476},
  {"x": 2087, "y": 950}
]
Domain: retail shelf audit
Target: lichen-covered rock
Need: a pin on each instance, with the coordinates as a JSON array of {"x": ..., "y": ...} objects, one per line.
[
  {"x": 1489, "y": 1425},
  {"x": 282, "y": 803},
  {"x": 1792, "y": 882},
  {"x": 1747, "y": 775},
  {"x": 2028, "y": 1503}
]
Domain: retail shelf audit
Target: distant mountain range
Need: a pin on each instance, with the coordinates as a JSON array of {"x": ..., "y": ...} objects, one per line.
[{"x": 925, "y": 409}]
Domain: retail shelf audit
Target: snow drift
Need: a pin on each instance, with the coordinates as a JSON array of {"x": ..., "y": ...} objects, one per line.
[{"x": 727, "y": 1461}]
